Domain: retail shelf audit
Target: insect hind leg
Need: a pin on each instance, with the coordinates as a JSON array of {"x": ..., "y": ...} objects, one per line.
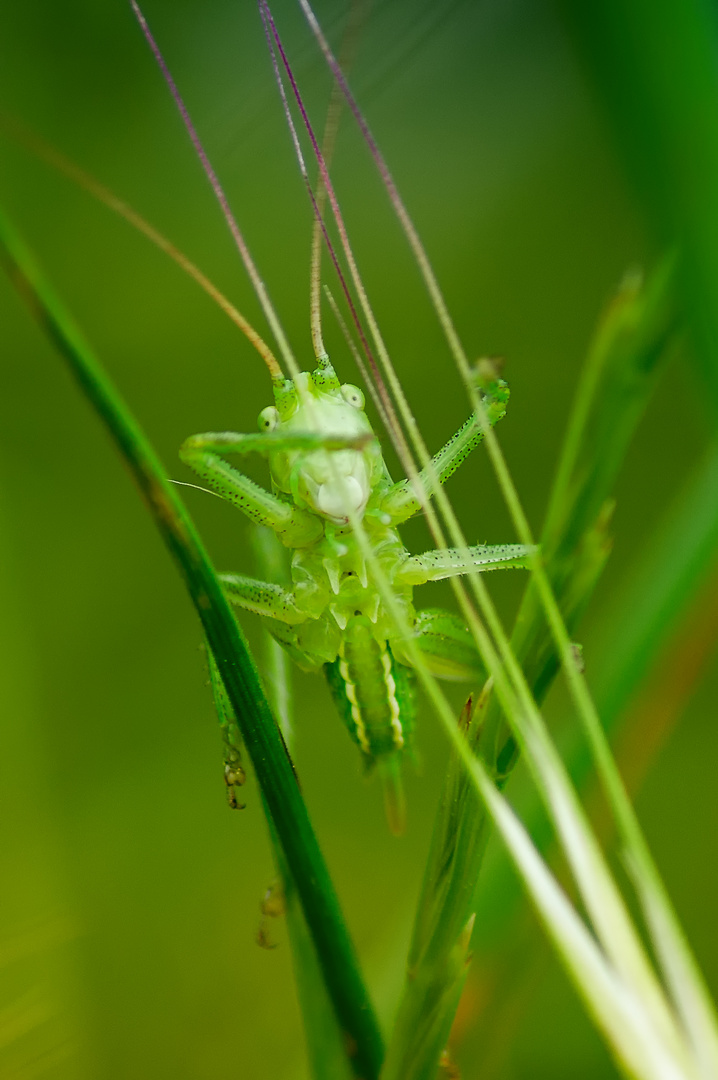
[{"x": 446, "y": 645}]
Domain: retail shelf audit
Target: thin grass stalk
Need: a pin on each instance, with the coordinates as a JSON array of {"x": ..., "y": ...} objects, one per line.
[
  {"x": 632, "y": 344},
  {"x": 266, "y": 749},
  {"x": 669, "y": 129},
  {"x": 51, "y": 156},
  {"x": 483, "y": 641},
  {"x": 325, "y": 1044},
  {"x": 638, "y": 329},
  {"x": 257, "y": 284},
  {"x": 632, "y": 1037},
  {"x": 652, "y": 894},
  {"x": 672, "y": 571},
  {"x": 358, "y": 14},
  {"x": 648, "y": 1008},
  {"x": 486, "y": 648},
  {"x": 599, "y": 893}
]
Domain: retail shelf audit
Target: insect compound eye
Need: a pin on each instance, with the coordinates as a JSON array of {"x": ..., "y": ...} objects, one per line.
[
  {"x": 268, "y": 419},
  {"x": 353, "y": 396}
]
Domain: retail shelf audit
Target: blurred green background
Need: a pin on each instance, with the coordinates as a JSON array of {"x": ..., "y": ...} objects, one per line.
[{"x": 130, "y": 895}]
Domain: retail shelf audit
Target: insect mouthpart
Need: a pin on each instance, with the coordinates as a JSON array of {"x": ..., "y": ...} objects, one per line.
[
  {"x": 336, "y": 500},
  {"x": 337, "y": 485}
]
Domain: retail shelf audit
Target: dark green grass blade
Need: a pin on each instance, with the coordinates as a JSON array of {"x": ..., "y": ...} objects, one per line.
[
  {"x": 326, "y": 1051},
  {"x": 620, "y": 372},
  {"x": 266, "y": 749},
  {"x": 325, "y": 1043}
]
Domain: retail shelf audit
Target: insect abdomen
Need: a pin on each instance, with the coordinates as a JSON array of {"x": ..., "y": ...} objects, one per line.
[{"x": 372, "y": 691}]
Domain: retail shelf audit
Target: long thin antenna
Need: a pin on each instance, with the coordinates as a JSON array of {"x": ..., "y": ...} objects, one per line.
[
  {"x": 389, "y": 416},
  {"x": 358, "y": 14},
  {"x": 397, "y": 202},
  {"x": 341, "y": 322},
  {"x": 477, "y": 586},
  {"x": 257, "y": 283},
  {"x": 377, "y": 387},
  {"x": 88, "y": 183}
]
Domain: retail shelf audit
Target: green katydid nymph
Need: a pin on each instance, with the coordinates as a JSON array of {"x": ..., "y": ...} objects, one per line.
[
  {"x": 328, "y": 479},
  {"x": 333, "y": 618}
]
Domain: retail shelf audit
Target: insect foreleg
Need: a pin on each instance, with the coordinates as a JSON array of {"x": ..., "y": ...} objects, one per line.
[
  {"x": 451, "y": 562},
  {"x": 262, "y": 597},
  {"x": 203, "y": 454},
  {"x": 294, "y": 526},
  {"x": 231, "y": 442}
]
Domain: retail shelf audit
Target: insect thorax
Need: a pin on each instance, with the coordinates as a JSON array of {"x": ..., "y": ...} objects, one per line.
[{"x": 332, "y": 585}]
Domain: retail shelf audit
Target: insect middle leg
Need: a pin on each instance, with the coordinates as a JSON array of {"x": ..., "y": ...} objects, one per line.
[
  {"x": 262, "y": 597},
  {"x": 453, "y": 562},
  {"x": 401, "y": 501}
]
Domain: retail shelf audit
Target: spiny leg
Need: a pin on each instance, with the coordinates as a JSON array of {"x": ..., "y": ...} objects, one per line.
[
  {"x": 204, "y": 454},
  {"x": 234, "y": 775},
  {"x": 446, "y": 645},
  {"x": 401, "y": 501},
  {"x": 282, "y": 617},
  {"x": 262, "y": 597},
  {"x": 452, "y": 562}
]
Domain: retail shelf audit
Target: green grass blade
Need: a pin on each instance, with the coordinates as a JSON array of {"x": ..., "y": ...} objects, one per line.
[
  {"x": 326, "y": 1049},
  {"x": 325, "y": 1042},
  {"x": 261, "y": 736},
  {"x": 655, "y": 66},
  {"x": 624, "y": 360},
  {"x": 619, "y": 375},
  {"x": 668, "y": 576},
  {"x": 640, "y": 1047}
]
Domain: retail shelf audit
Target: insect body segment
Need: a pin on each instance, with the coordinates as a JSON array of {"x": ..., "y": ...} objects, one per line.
[
  {"x": 327, "y": 467},
  {"x": 372, "y": 691},
  {"x": 374, "y": 695}
]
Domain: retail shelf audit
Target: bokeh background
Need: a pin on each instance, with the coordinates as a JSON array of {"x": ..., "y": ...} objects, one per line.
[{"x": 130, "y": 895}]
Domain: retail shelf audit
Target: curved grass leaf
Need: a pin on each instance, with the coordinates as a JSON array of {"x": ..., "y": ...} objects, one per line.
[
  {"x": 273, "y": 767},
  {"x": 620, "y": 372}
]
